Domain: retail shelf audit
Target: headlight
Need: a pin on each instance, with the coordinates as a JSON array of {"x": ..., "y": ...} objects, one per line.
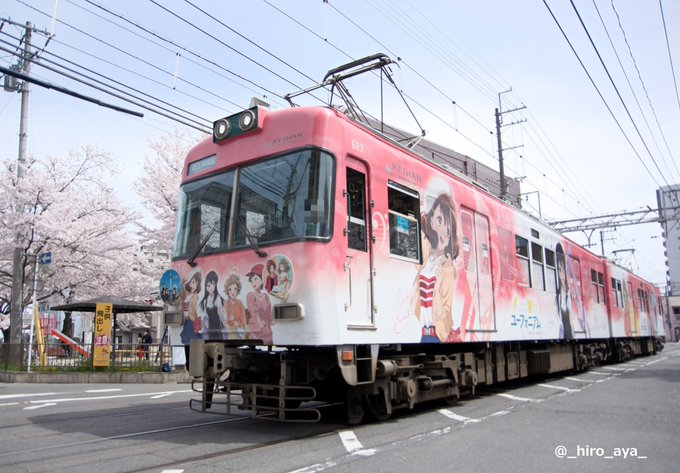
[
  {"x": 247, "y": 120},
  {"x": 235, "y": 125},
  {"x": 221, "y": 129}
]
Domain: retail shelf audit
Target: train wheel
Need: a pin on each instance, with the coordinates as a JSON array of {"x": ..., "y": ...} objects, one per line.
[
  {"x": 354, "y": 408},
  {"x": 376, "y": 405}
]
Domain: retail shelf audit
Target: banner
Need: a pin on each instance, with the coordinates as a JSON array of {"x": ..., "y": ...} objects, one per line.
[{"x": 102, "y": 334}]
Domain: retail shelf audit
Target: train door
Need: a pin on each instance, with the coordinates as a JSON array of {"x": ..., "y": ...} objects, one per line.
[
  {"x": 358, "y": 262},
  {"x": 631, "y": 311},
  {"x": 487, "y": 318},
  {"x": 577, "y": 313},
  {"x": 476, "y": 254}
]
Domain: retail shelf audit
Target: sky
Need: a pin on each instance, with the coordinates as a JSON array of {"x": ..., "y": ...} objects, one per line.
[{"x": 584, "y": 139}]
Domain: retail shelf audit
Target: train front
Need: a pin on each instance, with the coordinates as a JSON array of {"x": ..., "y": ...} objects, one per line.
[{"x": 250, "y": 263}]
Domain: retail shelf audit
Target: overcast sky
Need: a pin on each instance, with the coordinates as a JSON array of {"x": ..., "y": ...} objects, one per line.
[{"x": 454, "y": 58}]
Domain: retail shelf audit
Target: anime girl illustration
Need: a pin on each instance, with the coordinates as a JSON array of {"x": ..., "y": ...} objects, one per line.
[
  {"x": 576, "y": 295},
  {"x": 211, "y": 309},
  {"x": 192, "y": 322},
  {"x": 283, "y": 276},
  {"x": 259, "y": 307},
  {"x": 278, "y": 277},
  {"x": 233, "y": 307},
  {"x": 433, "y": 286},
  {"x": 271, "y": 280},
  {"x": 562, "y": 299}
]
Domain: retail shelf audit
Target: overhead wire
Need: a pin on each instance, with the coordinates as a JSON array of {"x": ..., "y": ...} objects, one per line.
[
  {"x": 118, "y": 93},
  {"x": 670, "y": 56},
  {"x": 266, "y": 51},
  {"x": 644, "y": 88},
  {"x": 444, "y": 121},
  {"x": 183, "y": 48},
  {"x": 223, "y": 43},
  {"x": 569, "y": 191},
  {"x": 597, "y": 89},
  {"x": 616, "y": 89},
  {"x": 427, "y": 109}
]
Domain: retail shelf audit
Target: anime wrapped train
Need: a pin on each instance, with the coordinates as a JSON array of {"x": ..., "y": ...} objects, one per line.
[{"x": 321, "y": 263}]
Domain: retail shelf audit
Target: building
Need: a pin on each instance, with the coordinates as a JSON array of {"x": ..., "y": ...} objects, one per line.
[
  {"x": 483, "y": 176},
  {"x": 668, "y": 201}
]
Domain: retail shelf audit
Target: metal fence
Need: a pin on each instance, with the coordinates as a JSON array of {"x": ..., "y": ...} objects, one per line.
[{"x": 62, "y": 357}]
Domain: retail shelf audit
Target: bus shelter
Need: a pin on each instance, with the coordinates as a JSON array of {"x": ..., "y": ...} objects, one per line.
[{"x": 119, "y": 305}]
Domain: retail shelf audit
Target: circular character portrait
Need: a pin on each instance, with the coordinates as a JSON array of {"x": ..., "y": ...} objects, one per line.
[
  {"x": 170, "y": 287},
  {"x": 278, "y": 276}
]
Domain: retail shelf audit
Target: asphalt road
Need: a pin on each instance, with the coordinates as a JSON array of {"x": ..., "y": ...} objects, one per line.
[{"x": 618, "y": 418}]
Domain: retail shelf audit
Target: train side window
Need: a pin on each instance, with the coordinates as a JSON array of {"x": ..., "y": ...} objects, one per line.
[
  {"x": 597, "y": 279},
  {"x": 522, "y": 254},
  {"x": 593, "y": 278},
  {"x": 403, "y": 211},
  {"x": 641, "y": 300},
  {"x": 617, "y": 290},
  {"x": 537, "y": 271},
  {"x": 550, "y": 272},
  {"x": 356, "y": 210}
]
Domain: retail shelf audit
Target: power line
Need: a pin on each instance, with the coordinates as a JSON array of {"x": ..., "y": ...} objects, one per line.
[
  {"x": 143, "y": 61},
  {"x": 121, "y": 94},
  {"x": 670, "y": 56},
  {"x": 616, "y": 89},
  {"x": 243, "y": 55},
  {"x": 66, "y": 91},
  {"x": 592, "y": 81},
  {"x": 644, "y": 88}
]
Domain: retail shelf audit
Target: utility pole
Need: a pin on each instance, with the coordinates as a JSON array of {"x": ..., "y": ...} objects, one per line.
[
  {"x": 15, "y": 319},
  {"x": 499, "y": 123}
]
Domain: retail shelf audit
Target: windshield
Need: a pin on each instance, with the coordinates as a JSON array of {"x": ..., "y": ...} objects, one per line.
[{"x": 283, "y": 198}]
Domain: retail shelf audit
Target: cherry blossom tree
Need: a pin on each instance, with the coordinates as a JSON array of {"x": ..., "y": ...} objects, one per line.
[
  {"x": 70, "y": 208},
  {"x": 158, "y": 188}
]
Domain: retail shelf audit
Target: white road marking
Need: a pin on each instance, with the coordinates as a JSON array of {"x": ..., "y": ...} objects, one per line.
[
  {"x": 517, "y": 398},
  {"x": 452, "y": 415},
  {"x": 14, "y": 396},
  {"x": 601, "y": 373},
  {"x": 316, "y": 467},
  {"x": 10, "y": 404},
  {"x": 498, "y": 413},
  {"x": 615, "y": 368},
  {"x": 172, "y": 471},
  {"x": 40, "y": 406},
  {"x": 159, "y": 396},
  {"x": 571, "y": 378},
  {"x": 111, "y": 390},
  {"x": 352, "y": 444},
  {"x": 119, "y": 396},
  {"x": 554, "y": 386}
]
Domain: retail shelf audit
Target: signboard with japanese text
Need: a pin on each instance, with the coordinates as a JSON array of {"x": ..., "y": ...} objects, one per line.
[{"x": 102, "y": 334}]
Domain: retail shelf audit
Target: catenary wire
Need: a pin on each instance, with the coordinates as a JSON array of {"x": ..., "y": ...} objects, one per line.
[
  {"x": 644, "y": 88},
  {"x": 616, "y": 89}
]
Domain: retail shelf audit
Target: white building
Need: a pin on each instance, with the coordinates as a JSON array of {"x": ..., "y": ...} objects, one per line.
[{"x": 668, "y": 199}]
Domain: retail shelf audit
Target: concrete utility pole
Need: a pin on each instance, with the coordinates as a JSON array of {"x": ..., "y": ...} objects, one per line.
[
  {"x": 17, "y": 259},
  {"x": 499, "y": 123}
]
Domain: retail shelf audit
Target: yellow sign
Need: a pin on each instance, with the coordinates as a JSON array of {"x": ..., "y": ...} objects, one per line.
[{"x": 102, "y": 334}]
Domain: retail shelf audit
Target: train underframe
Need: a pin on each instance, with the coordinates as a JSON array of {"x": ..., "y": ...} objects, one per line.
[{"x": 297, "y": 384}]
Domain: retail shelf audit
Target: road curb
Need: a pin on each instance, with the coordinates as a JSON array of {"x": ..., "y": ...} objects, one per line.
[{"x": 95, "y": 378}]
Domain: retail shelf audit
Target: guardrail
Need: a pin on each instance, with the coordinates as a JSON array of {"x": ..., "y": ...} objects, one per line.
[{"x": 63, "y": 357}]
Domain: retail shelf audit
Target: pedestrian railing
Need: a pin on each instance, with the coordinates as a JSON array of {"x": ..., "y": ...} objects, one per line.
[{"x": 60, "y": 356}]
